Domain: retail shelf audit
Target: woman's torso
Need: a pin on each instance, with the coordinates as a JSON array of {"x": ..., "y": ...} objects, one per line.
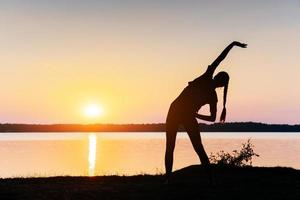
[{"x": 198, "y": 93}]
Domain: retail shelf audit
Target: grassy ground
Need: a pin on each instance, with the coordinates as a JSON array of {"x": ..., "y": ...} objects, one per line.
[{"x": 188, "y": 183}]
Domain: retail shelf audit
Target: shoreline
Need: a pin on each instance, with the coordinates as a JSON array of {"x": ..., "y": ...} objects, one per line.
[
  {"x": 155, "y": 127},
  {"x": 190, "y": 183}
]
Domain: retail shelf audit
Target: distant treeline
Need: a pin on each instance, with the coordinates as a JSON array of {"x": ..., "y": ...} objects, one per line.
[{"x": 158, "y": 127}]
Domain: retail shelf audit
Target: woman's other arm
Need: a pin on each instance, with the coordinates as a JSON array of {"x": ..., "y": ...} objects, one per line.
[{"x": 212, "y": 116}]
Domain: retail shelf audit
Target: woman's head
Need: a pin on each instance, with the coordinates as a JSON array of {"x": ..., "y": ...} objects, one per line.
[{"x": 222, "y": 80}]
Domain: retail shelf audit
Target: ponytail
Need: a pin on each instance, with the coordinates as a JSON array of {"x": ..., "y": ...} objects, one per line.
[{"x": 223, "y": 114}]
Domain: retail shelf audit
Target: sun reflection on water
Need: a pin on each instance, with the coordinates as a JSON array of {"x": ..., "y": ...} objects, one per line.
[{"x": 92, "y": 153}]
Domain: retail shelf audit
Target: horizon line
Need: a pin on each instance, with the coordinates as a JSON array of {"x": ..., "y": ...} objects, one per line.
[{"x": 147, "y": 123}]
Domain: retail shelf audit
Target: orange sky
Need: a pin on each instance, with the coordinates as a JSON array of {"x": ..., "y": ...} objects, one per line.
[{"x": 135, "y": 57}]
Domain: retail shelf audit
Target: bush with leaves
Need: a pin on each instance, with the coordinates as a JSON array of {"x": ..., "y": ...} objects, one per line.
[{"x": 239, "y": 158}]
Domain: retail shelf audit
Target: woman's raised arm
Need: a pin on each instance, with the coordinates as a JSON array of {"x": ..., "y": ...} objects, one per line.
[{"x": 211, "y": 69}]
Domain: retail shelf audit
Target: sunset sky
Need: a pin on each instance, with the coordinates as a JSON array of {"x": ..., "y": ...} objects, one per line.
[{"x": 134, "y": 57}]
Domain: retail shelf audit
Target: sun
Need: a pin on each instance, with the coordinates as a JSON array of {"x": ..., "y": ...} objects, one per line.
[{"x": 93, "y": 110}]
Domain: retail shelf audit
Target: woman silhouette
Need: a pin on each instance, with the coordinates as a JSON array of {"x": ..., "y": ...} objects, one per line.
[{"x": 183, "y": 110}]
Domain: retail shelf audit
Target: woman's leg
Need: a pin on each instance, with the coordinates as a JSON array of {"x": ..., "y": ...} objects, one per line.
[
  {"x": 171, "y": 132},
  {"x": 191, "y": 127}
]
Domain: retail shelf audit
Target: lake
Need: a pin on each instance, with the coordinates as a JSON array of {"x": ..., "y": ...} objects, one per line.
[{"x": 90, "y": 154}]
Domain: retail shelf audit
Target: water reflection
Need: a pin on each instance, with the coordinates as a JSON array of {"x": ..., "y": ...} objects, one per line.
[{"x": 92, "y": 153}]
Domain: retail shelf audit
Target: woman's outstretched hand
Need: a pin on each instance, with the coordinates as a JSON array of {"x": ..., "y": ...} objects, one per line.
[{"x": 239, "y": 44}]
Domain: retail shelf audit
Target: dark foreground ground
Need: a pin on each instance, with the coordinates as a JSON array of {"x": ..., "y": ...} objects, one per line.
[{"x": 188, "y": 183}]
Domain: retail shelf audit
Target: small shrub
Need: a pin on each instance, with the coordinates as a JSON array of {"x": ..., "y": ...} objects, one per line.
[{"x": 239, "y": 158}]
